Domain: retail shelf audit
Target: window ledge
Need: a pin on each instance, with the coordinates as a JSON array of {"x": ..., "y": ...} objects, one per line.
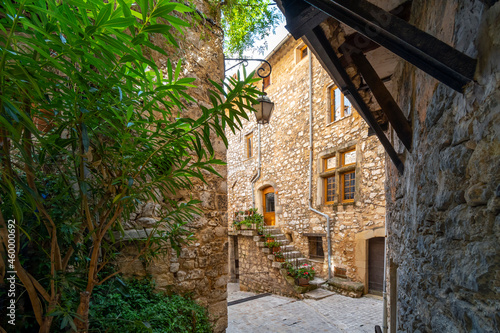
[
  {"x": 319, "y": 261},
  {"x": 335, "y": 204},
  {"x": 338, "y": 120}
]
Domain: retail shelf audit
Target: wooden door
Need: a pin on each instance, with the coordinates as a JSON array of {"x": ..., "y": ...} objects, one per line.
[
  {"x": 268, "y": 199},
  {"x": 376, "y": 248}
]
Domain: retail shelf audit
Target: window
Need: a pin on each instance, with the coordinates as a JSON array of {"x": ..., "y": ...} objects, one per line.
[
  {"x": 270, "y": 202},
  {"x": 330, "y": 163},
  {"x": 316, "y": 247},
  {"x": 249, "y": 145},
  {"x": 339, "y": 178},
  {"x": 303, "y": 52},
  {"x": 348, "y": 157},
  {"x": 348, "y": 178},
  {"x": 329, "y": 189},
  {"x": 348, "y": 186},
  {"x": 266, "y": 81},
  {"x": 340, "y": 106}
]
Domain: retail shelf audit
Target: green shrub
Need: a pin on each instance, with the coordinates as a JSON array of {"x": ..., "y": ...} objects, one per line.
[{"x": 133, "y": 306}]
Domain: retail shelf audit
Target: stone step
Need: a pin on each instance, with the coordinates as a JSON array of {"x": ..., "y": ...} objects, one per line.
[
  {"x": 287, "y": 248},
  {"x": 317, "y": 281},
  {"x": 318, "y": 294},
  {"x": 299, "y": 261},
  {"x": 279, "y": 236},
  {"x": 272, "y": 231},
  {"x": 291, "y": 254}
]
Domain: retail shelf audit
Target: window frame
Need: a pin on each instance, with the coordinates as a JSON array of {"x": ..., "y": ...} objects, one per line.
[
  {"x": 318, "y": 241},
  {"x": 325, "y": 163},
  {"x": 342, "y": 158},
  {"x": 249, "y": 152},
  {"x": 301, "y": 52},
  {"x": 331, "y": 105},
  {"x": 338, "y": 173},
  {"x": 325, "y": 185},
  {"x": 342, "y": 180}
]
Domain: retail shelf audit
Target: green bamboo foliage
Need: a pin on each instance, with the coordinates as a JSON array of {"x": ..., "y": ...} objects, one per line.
[{"x": 90, "y": 127}]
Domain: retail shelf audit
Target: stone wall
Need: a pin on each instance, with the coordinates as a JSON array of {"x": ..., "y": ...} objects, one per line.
[
  {"x": 285, "y": 163},
  {"x": 256, "y": 270},
  {"x": 443, "y": 213},
  {"x": 201, "y": 269}
]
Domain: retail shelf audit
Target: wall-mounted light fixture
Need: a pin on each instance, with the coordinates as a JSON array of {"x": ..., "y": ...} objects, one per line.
[{"x": 264, "y": 106}]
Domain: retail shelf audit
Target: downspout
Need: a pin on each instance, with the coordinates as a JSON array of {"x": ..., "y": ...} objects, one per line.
[
  {"x": 254, "y": 180},
  {"x": 328, "y": 238},
  {"x": 384, "y": 292}
]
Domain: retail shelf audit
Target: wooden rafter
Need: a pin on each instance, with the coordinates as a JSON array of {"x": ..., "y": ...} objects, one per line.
[
  {"x": 426, "y": 52},
  {"x": 384, "y": 98}
]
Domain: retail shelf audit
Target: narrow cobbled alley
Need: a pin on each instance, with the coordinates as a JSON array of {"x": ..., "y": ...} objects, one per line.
[{"x": 249, "y": 312}]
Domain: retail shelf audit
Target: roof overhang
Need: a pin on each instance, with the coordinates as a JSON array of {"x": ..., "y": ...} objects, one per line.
[{"x": 346, "y": 36}]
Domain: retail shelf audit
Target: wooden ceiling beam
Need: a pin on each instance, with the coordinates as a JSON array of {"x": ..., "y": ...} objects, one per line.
[
  {"x": 421, "y": 49},
  {"x": 384, "y": 98},
  {"x": 302, "y": 17}
]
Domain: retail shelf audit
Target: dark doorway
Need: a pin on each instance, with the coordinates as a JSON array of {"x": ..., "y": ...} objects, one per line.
[{"x": 376, "y": 248}]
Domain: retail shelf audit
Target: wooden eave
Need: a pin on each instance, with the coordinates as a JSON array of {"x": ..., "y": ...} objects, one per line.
[{"x": 394, "y": 33}]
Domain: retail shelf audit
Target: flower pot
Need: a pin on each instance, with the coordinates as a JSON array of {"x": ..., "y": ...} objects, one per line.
[
  {"x": 302, "y": 282},
  {"x": 280, "y": 259},
  {"x": 276, "y": 249},
  {"x": 270, "y": 239}
]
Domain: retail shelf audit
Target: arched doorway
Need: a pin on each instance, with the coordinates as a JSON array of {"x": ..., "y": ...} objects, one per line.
[
  {"x": 268, "y": 205},
  {"x": 376, "y": 248}
]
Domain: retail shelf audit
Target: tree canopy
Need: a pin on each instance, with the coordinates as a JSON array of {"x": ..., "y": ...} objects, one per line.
[
  {"x": 90, "y": 128},
  {"x": 246, "y": 21}
]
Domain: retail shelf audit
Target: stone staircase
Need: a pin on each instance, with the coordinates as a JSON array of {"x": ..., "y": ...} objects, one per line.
[
  {"x": 288, "y": 250},
  {"x": 338, "y": 285},
  {"x": 290, "y": 253}
]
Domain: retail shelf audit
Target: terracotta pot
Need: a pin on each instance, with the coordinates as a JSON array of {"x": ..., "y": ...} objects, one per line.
[
  {"x": 302, "y": 282},
  {"x": 280, "y": 259},
  {"x": 270, "y": 240},
  {"x": 276, "y": 249}
]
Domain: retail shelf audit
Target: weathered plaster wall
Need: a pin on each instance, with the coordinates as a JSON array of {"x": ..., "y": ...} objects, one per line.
[
  {"x": 443, "y": 213},
  {"x": 201, "y": 269},
  {"x": 285, "y": 161}
]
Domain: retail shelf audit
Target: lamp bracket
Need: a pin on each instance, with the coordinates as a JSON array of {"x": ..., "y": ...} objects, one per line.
[{"x": 245, "y": 62}]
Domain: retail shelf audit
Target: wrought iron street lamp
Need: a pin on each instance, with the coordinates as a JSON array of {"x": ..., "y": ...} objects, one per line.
[
  {"x": 264, "y": 106},
  {"x": 264, "y": 109}
]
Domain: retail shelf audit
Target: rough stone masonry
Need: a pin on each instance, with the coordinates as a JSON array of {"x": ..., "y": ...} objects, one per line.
[
  {"x": 285, "y": 166},
  {"x": 443, "y": 213},
  {"x": 201, "y": 269}
]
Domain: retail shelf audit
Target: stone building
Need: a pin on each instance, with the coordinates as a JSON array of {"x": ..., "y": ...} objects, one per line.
[
  {"x": 201, "y": 269},
  {"x": 347, "y": 177},
  {"x": 442, "y": 145}
]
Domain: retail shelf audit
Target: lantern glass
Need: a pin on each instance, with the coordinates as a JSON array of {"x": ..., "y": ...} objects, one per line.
[{"x": 264, "y": 109}]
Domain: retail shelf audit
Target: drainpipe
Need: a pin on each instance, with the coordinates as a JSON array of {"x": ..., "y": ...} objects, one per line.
[
  {"x": 254, "y": 180},
  {"x": 328, "y": 238},
  {"x": 384, "y": 311}
]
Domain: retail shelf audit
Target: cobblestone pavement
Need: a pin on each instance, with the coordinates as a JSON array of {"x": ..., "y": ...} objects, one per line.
[{"x": 273, "y": 314}]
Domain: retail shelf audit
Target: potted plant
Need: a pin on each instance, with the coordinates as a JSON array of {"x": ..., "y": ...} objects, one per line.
[
  {"x": 274, "y": 246},
  {"x": 304, "y": 274},
  {"x": 270, "y": 238},
  {"x": 237, "y": 225},
  {"x": 279, "y": 257}
]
